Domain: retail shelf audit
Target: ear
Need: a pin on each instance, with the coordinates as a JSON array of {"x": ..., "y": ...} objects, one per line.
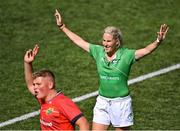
[
  {"x": 118, "y": 43},
  {"x": 51, "y": 84}
]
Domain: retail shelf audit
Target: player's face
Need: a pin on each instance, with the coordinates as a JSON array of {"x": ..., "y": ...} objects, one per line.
[
  {"x": 41, "y": 87},
  {"x": 109, "y": 43}
]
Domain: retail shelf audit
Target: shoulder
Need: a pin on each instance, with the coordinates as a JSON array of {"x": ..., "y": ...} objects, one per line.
[
  {"x": 62, "y": 98},
  {"x": 128, "y": 55},
  {"x": 94, "y": 46},
  {"x": 95, "y": 50},
  {"x": 66, "y": 106},
  {"x": 63, "y": 101},
  {"x": 127, "y": 51}
]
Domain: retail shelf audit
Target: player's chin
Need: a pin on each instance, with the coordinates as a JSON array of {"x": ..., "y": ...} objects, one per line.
[
  {"x": 38, "y": 96},
  {"x": 107, "y": 50}
]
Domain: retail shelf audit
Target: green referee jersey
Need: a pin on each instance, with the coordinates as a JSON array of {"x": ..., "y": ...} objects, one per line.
[{"x": 113, "y": 76}]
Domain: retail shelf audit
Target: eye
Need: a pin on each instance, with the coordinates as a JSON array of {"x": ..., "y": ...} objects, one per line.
[
  {"x": 38, "y": 84},
  {"x": 107, "y": 40}
]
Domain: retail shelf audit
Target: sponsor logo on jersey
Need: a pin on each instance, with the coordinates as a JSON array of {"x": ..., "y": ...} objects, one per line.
[
  {"x": 109, "y": 77},
  {"x": 45, "y": 123}
]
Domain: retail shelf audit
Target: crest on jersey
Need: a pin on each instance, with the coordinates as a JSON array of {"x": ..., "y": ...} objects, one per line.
[{"x": 49, "y": 110}]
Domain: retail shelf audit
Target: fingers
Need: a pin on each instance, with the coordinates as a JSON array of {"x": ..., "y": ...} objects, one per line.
[
  {"x": 57, "y": 14},
  {"x": 166, "y": 30},
  {"x": 29, "y": 53},
  {"x": 158, "y": 33},
  {"x": 32, "y": 52},
  {"x": 35, "y": 50},
  {"x": 162, "y": 33},
  {"x": 163, "y": 28},
  {"x": 57, "y": 11},
  {"x": 58, "y": 18},
  {"x": 159, "y": 36}
]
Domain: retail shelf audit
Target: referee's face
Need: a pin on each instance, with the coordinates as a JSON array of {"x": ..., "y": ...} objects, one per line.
[{"x": 109, "y": 43}]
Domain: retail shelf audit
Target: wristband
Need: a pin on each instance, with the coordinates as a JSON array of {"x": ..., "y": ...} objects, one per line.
[
  {"x": 158, "y": 41},
  {"x": 62, "y": 26}
]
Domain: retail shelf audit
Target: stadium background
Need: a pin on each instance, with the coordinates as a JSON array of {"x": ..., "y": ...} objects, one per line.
[{"x": 156, "y": 101}]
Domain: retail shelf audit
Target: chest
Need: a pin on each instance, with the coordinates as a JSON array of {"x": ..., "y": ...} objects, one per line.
[
  {"x": 116, "y": 66},
  {"x": 48, "y": 112},
  {"x": 51, "y": 113}
]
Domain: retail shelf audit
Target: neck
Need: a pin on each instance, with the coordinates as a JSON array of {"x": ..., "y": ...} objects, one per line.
[
  {"x": 52, "y": 94},
  {"x": 111, "y": 55}
]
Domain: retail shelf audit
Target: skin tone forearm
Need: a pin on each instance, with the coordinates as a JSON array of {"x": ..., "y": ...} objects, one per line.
[
  {"x": 147, "y": 50},
  {"x": 71, "y": 35},
  {"x": 28, "y": 68},
  {"x": 28, "y": 74},
  {"x": 151, "y": 47},
  {"x": 76, "y": 39}
]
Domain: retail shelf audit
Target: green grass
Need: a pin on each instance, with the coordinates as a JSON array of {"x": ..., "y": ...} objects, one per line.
[{"x": 156, "y": 101}]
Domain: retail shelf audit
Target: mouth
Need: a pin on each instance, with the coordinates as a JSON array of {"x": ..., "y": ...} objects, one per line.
[
  {"x": 36, "y": 93},
  {"x": 107, "y": 47}
]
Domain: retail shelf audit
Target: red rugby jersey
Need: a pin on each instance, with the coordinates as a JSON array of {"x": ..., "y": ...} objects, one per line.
[{"x": 60, "y": 113}]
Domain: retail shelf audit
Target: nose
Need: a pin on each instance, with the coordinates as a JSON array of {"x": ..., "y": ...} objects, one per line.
[
  {"x": 35, "y": 87},
  {"x": 105, "y": 43}
]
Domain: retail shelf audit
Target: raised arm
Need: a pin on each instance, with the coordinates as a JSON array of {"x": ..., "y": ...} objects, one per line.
[
  {"x": 72, "y": 36},
  {"x": 151, "y": 47},
  {"x": 28, "y": 68}
]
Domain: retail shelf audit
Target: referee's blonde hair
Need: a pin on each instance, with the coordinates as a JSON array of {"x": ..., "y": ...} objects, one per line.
[{"x": 116, "y": 33}]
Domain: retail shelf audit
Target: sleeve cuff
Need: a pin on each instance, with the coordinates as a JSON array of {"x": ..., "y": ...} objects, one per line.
[{"x": 73, "y": 121}]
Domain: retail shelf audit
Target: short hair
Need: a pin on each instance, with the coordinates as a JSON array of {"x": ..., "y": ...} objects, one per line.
[
  {"x": 45, "y": 73},
  {"x": 115, "y": 32}
]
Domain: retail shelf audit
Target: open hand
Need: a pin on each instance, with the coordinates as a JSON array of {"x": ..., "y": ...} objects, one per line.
[
  {"x": 162, "y": 33},
  {"x": 59, "y": 21},
  {"x": 31, "y": 54}
]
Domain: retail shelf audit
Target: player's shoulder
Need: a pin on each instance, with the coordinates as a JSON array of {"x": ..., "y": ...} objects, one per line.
[
  {"x": 61, "y": 98},
  {"x": 64, "y": 102}
]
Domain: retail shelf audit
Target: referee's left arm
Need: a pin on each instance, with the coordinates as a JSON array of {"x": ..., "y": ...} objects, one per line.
[{"x": 151, "y": 47}]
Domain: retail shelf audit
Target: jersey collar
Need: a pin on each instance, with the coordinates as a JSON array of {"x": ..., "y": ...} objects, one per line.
[
  {"x": 118, "y": 55},
  {"x": 58, "y": 93}
]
